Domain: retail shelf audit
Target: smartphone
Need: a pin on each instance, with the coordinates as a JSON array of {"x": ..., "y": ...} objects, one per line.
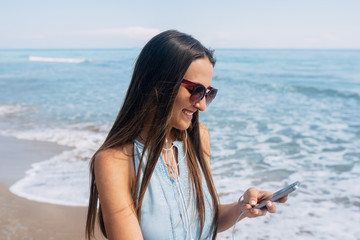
[{"x": 279, "y": 194}]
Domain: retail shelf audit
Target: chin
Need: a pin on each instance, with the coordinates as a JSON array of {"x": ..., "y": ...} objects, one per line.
[{"x": 182, "y": 126}]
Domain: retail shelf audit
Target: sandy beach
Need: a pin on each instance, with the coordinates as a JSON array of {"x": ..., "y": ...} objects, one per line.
[{"x": 25, "y": 219}]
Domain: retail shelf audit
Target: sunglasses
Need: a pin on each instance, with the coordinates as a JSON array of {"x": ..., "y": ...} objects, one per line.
[{"x": 198, "y": 92}]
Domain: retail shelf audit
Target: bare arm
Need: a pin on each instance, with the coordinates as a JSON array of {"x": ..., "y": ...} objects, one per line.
[
  {"x": 114, "y": 173},
  {"x": 229, "y": 213}
]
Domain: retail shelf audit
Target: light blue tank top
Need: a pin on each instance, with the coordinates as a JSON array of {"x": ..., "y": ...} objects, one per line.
[{"x": 161, "y": 213}]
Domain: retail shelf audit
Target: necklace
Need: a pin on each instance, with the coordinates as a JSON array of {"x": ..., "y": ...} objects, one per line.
[
  {"x": 165, "y": 149},
  {"x": 168, "y": 149},
  {"x": 172, "y": 170}
]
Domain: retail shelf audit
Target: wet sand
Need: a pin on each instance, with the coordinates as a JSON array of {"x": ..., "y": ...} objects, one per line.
[{"x": 25, "y": 219}]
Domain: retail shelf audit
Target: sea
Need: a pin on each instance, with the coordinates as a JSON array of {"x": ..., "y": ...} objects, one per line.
[{"x": 280, "y": 116}]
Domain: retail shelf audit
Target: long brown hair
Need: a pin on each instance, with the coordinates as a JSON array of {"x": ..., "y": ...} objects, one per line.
[{"x": 155, "y": 82}]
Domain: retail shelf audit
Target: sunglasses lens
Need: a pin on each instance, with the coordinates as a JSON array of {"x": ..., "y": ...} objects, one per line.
[
  {"x": 210, "y": 96},
  {"x": 197, "y": 94}
]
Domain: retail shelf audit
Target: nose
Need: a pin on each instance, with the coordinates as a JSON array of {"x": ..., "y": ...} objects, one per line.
[{"x": 200, "y": 105}]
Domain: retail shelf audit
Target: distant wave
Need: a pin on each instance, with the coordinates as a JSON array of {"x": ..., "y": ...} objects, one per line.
[
  {"x": 4, "y": 76},
  {"x": 59, "y": 60},
  {"x": 326, "y": 92},
  {"x": 307, "y": 90}
]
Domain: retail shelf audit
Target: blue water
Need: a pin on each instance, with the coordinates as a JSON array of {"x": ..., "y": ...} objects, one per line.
[{"x": 279, "y": 116}]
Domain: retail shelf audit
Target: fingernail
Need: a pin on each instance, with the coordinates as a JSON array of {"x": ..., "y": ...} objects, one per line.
[
  {"x": 252, "y": 202},
  {"x": 269, "y": 204}
]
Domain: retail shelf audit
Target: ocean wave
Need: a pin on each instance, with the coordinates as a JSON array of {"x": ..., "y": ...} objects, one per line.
[
  {"x": 323, "y": 91},
  {"x": 306, "y": 90},
  {"x": 11, "y": 108},
  {"x": 58, "y": 60},
  {"x": 5, "y": 76},
  {"x": 327, "y": 92},
  {"x": 64, "y": 178},
  {"x": 59, "y": 180},
  {"x": 81, "y": 136}
]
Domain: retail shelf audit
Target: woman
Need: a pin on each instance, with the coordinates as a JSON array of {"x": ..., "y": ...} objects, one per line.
[{"x": 152, "y": 174}]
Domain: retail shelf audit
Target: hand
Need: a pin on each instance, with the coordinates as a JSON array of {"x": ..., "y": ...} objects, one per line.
[{"x": 253, "y": 196}]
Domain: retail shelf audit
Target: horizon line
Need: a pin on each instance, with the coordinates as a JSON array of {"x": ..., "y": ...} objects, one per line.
[{"x": 219, "y": 48}]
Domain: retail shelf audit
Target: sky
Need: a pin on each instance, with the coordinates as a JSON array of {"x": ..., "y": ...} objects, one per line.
[{"x": 329, "y": 24}]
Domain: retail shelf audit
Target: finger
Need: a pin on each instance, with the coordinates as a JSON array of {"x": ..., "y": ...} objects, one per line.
[
  {"x": 265, "y": 194},
  {"x": 252, "y": 194},
  {"x": 284, "y": 199},
  {"x": 270, "y": 206},
  {"x": 248, "y": 207},
  {"x": 254, "y": 212}
]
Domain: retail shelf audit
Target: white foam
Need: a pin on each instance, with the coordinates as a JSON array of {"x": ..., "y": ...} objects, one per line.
[
  {"x": 77, "y": 136},
  {"x": 305, "y": 146},
  {"x": 10, "y": 108},
  {"x": 58, "y": 60},
  {"x": 308, "y": 214},
  {"x": 63, "y": 179}
]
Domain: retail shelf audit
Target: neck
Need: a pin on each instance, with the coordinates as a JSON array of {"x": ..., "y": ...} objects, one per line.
[{"x": 168, "y": 140}]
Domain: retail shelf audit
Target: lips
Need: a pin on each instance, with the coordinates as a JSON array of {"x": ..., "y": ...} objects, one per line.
[{"x": 188, "y": 114}]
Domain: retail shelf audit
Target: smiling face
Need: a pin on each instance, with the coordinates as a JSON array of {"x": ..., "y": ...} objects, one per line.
[{"x": 200, "y": 71}]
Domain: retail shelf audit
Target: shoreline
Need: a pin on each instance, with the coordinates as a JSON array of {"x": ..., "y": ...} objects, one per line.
[
  {"x": 26, "y": 219},
  {"x": 17, "y": 155}
]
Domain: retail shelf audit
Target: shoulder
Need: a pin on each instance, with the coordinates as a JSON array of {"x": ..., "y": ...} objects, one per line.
[
  {"x": 203, "y": 127},
  {"x": 205, "y": 139},
  {"x": 204, "y": 134},
  {"x": 114, "y": 154},
  {"x": 204, "y": 131},
  {"x": 113, "y": 162}
]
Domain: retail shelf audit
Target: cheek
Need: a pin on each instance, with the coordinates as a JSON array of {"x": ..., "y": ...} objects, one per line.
[
  {"x": 178, "y": 106},
  {"x": 183, "y": 98},
  {"x": 181, "y": 101}
]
